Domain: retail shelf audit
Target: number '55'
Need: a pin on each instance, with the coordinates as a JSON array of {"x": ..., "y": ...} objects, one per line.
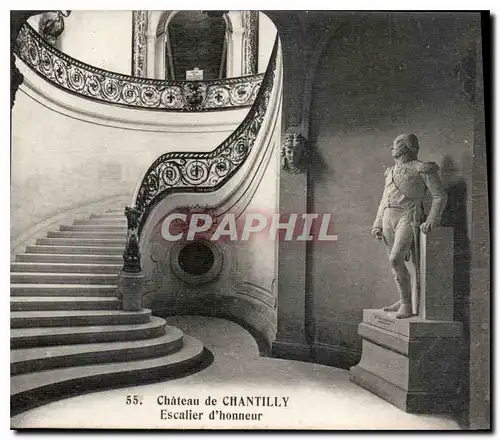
[{"x": 132, "y": 400}]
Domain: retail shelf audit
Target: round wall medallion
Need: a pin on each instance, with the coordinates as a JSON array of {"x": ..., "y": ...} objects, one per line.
[{"x": 196, "y": 262}]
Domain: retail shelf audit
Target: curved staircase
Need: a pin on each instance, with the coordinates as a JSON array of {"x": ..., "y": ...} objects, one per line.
[{"x": 68, "y": 332}]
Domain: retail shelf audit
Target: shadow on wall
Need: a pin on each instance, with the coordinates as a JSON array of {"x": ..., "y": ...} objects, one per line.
[
  {"x": 455, "y": 216},
  {"x": 317, "y": 166}
]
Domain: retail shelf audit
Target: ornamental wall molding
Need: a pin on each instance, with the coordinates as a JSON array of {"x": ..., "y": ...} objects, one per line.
[{"x": 117, "y": 89}]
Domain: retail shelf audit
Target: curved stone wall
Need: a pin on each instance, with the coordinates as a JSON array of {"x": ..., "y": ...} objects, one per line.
[{"x": 231, "y": 279}]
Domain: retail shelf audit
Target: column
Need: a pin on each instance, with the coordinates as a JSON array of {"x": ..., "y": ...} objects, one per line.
[
  {"x": 139, "y": 43},
  {"x": 250, "y": 42}
]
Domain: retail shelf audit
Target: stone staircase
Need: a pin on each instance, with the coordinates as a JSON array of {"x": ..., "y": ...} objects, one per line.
[{"x": 68, "y": 332}]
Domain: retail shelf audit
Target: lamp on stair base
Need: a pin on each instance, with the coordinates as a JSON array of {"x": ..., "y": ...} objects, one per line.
[{"x": 131, "y": 281}]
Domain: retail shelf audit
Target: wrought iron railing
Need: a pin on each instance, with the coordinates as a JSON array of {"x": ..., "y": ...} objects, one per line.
[
  {"x": 114, "y": 88},
  {"x": 205, "y": 171}
]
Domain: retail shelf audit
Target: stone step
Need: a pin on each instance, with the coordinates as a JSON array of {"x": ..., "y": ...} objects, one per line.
[
  {"x": 35, "y": 389},
  {"x": 97, "y": 228},
  {"x": 66, "y": 267},
  {"x": 115, "y": 210},
  {"x": 88, "y": 234},
  {"x": 63, "y": 278},
  {"x": 38, "y": 303},
  {"x": 113, "y": 242},
  {"x": 109, "y": 215},
  {"x": 70, "y": 258},
  {"x": 51, "y": 336},
  {"x": 102, "y": 221},
  {"x": 28, "y": 360},
  {"x": 82, "y": 250},
  {"x": 66, "y": 318},
  {"x": 97, "y": 290}
]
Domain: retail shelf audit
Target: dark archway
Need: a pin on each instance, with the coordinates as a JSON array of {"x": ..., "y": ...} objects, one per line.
[{"x": 196, "y": 40}]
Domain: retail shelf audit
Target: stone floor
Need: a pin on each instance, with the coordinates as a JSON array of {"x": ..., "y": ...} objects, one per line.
[{"x": 318, "y": 397}]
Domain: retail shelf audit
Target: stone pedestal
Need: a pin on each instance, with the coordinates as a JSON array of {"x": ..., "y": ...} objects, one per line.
[
  {"x": 131, "y": 288},
  {"x": 417, "y": 363},
  {"x": 413, "y": 363}
]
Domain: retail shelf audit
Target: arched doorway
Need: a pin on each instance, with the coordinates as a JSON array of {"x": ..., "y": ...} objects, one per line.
[
  {"x": 230, "y": 37},
  {"x": 195, "y": 40}
]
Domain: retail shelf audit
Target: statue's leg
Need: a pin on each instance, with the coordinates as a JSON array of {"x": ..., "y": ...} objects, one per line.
[
  {"x": 388, "y": 232},
  {"x": 403, "y": 239}
]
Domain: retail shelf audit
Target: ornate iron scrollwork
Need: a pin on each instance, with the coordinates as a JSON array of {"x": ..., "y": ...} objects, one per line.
[
  {"x": 113, "y": 88},
  {"x": 195, "y": 93},
  {"x": 132, "y": 254},
  {"x": 205, "y": 172}
]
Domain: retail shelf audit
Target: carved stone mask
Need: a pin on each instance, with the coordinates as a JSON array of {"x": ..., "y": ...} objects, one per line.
[{"x": 293, "y": 152}]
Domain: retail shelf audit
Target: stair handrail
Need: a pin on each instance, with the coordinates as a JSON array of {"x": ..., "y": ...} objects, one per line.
[
  {"x": 94, "y": 83},
  {"x": 174, "y": 172}
]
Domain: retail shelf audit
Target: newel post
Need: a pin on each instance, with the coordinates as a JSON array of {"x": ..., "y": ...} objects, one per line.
[{"x": 131, "y": 280}]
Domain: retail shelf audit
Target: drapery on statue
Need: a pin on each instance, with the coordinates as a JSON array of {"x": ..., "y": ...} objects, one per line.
[{"x": 400, "y": 214}]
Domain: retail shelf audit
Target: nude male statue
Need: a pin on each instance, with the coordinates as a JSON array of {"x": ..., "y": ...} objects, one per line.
[{"x": 400, "y": 213}]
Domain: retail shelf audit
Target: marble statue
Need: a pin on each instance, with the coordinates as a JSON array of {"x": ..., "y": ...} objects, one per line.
[
  {"x": 293, "y": 152},
  {"x": 400, "y": 215}
]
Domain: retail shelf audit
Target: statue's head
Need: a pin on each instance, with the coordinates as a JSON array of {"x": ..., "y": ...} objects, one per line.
[
  {"x": 405, "y": 145},
  {"x": 293, "y": 151}
]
